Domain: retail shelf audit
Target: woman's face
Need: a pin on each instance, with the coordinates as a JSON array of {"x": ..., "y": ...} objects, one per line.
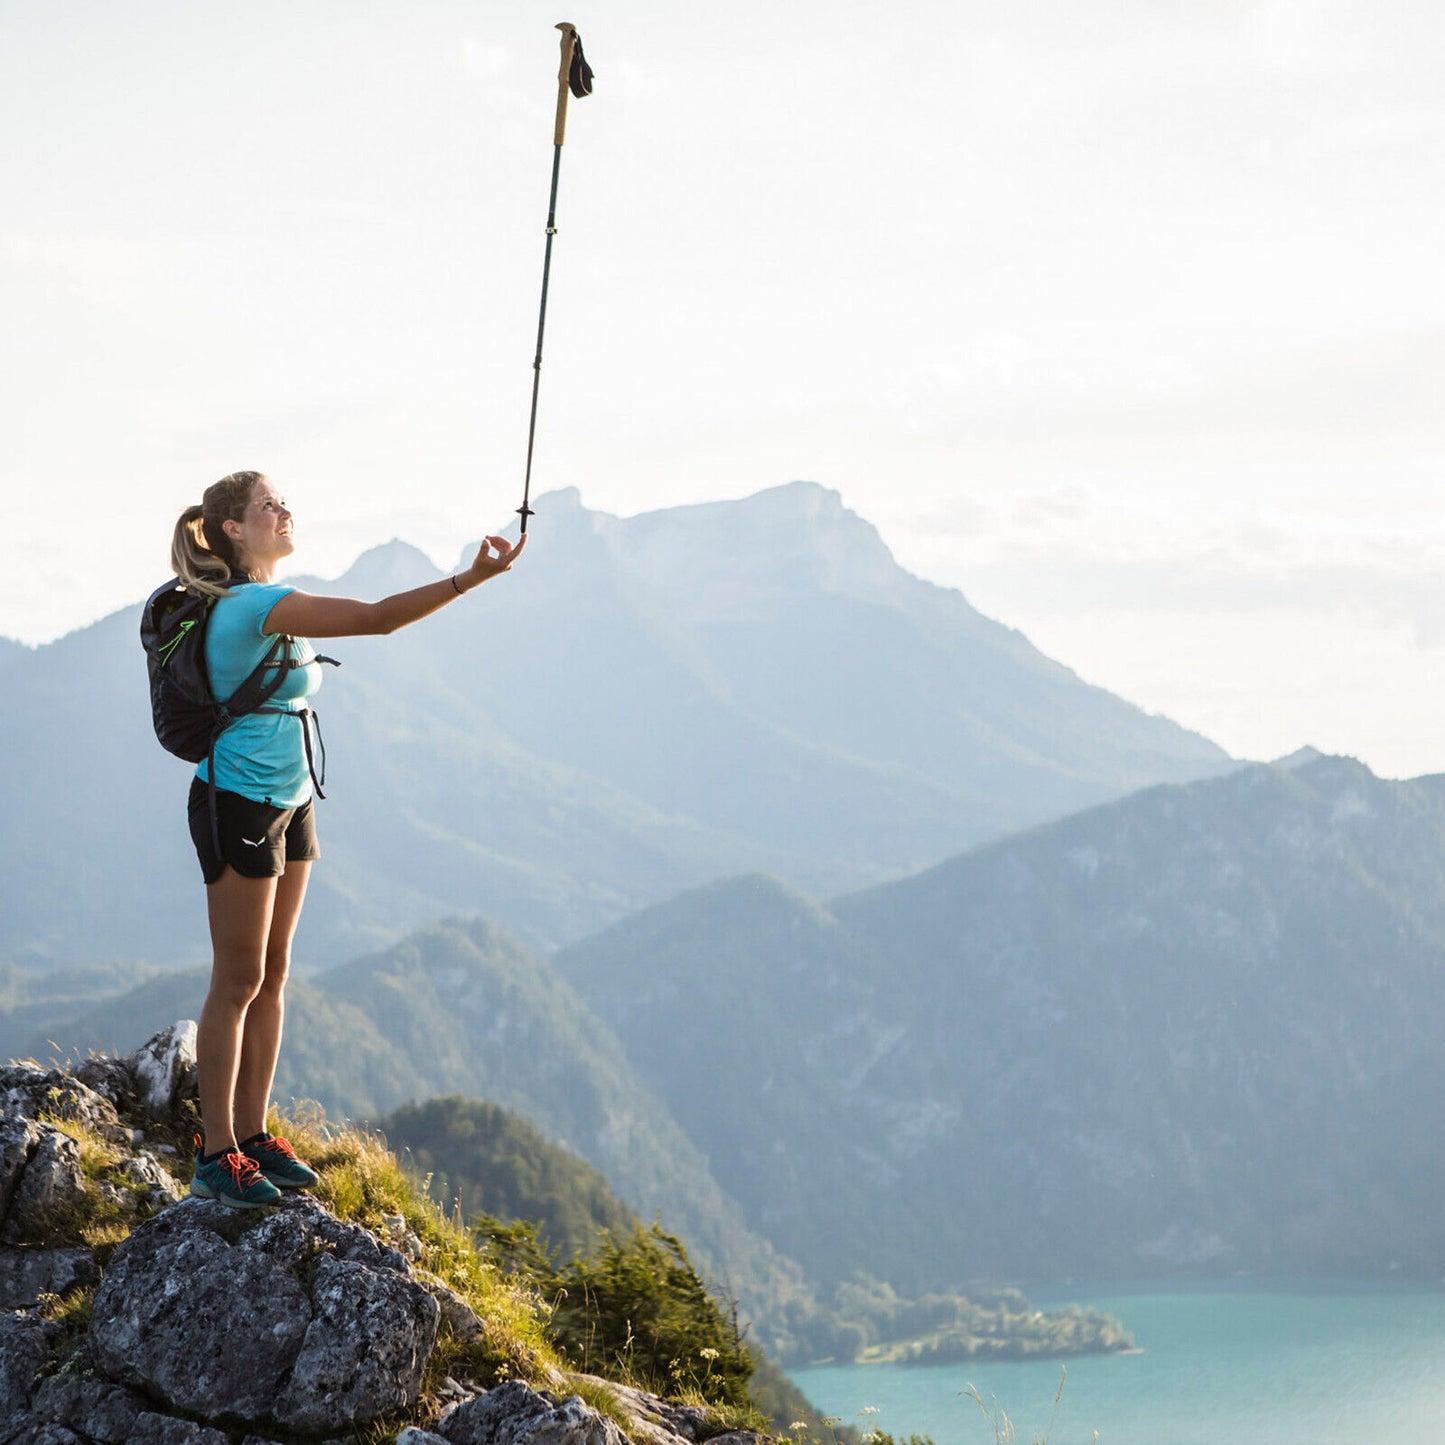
[{"x": 263, "y": 535}]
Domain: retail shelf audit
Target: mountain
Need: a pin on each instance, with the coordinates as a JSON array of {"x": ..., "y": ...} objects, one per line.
[
  {"x": 643, "y": 705},
  {"x": 1193, "y": 1030}
]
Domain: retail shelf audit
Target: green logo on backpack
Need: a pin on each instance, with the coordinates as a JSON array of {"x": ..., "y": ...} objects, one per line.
[{"x": 169, "y": 648}]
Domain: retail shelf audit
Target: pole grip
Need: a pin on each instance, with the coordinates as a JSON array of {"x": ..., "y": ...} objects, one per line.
[{"x": 569, "y": 43}]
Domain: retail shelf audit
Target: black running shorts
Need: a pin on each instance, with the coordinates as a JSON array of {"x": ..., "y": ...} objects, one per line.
[{"x": 256, "y": 839}]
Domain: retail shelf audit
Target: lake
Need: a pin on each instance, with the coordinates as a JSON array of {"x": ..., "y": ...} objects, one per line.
[{"x": 1283, "y": 1365}]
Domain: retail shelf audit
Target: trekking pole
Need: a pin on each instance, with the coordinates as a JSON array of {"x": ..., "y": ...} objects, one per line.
[{"x": 575, "y": 74}]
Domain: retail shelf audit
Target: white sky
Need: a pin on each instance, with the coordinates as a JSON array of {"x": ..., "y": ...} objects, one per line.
[{"x": 1126, "y": 318}]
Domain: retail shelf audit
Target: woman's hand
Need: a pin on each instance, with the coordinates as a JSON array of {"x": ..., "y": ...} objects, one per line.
[{"x": 485, "y": 565}]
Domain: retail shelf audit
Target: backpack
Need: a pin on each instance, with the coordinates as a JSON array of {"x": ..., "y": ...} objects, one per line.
[{"x": 187, "y": 716}]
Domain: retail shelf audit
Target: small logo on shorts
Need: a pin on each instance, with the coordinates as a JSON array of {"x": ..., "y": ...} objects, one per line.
[{"x": 253, "y": 842}]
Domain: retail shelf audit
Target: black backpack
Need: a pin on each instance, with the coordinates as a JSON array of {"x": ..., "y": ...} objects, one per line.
[{"x": 187, "y": 715}]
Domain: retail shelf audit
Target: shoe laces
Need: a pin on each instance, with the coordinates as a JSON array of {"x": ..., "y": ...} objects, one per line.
[
  {"x": 241, "y": 1167},
  {"x": 275, "y": 1144}
]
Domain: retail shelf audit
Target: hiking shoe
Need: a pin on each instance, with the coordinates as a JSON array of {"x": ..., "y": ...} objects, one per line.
[
  {"x": 277, "y": 1160},
  {"x": 234, "y": 1178}
]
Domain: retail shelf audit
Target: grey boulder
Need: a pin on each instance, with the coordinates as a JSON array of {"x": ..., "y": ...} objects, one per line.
[
  {"x": 286, "y": 1316},
  {"x": 26, "y": 1274},
  {"x": 40, "y": 1174},
  {"x": 106, "y": 1414},
  {"x": 515, "y": 1414}
]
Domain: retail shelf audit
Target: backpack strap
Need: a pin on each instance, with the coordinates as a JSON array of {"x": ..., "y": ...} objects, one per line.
[
  {"x": 308, "y": 720},
  {"x": 258, "y": 688}
]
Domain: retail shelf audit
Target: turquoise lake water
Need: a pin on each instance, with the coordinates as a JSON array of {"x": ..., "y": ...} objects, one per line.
[{"x": 1286, "y": 1366}]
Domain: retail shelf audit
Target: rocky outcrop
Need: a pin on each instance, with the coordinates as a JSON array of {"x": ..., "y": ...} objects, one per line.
[
  {"x": 43, "y": 1186},
  {"x": 218, "y": 1327},
  {"x": 286, "y": 1317}
]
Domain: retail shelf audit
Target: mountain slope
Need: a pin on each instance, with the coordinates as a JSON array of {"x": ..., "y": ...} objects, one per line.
[{"x": 1195, "y": 1029}]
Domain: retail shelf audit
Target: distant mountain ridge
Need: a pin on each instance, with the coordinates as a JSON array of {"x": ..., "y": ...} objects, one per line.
[
  {"x": 1193, "y": 1030},
  {"x": 643, "y": 705}
]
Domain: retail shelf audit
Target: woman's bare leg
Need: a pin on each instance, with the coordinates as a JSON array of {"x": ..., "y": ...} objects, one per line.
[
  {"x": 240, "y": 912},
  {"x": 261, "y": 1036}
]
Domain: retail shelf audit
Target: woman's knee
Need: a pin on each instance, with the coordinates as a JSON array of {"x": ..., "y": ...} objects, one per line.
[
  {"x": 235, "y": 982},
  {"x": 278, "y": 967}
]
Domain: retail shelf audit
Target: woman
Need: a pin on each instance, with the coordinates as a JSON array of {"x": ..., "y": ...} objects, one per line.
[{"x": 229, "y": 548}]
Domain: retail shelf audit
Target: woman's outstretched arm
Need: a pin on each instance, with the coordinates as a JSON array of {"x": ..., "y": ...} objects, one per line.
[{"x": 304, "y": 614}]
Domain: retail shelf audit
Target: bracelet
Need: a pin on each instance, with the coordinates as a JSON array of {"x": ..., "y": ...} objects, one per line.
[{"x": 457, "y": 589}]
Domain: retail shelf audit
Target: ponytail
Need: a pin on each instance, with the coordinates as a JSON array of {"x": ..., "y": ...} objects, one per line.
[
  {"x": 203, "y": 556},
  {"x": 198, "y": 568}
]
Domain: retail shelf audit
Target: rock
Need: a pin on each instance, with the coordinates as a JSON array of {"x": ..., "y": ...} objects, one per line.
[
  {"x": 30, "y": 1092},
  {"x": 412, "y": 1436},
  {"x": 292, "y": 1317},
  {"x": 98, "y": 1407},
  {"x": 301, "y": 1227},
  {"x": 29, "y": 1431},
  {"x": 27, "y": 1273},
  {"x": 18, "y": 1138},
  {"x": 514, "y": 1414},
  {"x": 110, "y": 1078},
  {"x": 51, "y": 1181},
  {"x": 164, "y": 1069},
  {"x": 145, "y": 1169},
  {"x": 406, "y": 1240},
  {"x": 185, "y": 1315},
  {"x": 659, "y": 1420},
  {"x": 365, "y": 1350},
  {"x": 109, "y": 1414},
  {"x": 24, "y": 1344},
  {"x": 153, "y": 1429},
  {"x": 460, "y": 1318}
]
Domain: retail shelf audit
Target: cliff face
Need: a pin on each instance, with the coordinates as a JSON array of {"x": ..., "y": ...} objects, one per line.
[{"x": 134, "y": 1313}]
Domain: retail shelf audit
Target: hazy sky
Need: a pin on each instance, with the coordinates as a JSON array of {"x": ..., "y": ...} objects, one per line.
[{"x": 1125, "y": 318}]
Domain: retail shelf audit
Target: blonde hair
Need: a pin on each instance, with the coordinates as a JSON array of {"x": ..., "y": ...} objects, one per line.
[{"x": 203, "y": 556}]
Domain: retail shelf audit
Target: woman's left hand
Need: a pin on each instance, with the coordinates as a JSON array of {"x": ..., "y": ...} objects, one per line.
[{"x": 485, "y": 564}]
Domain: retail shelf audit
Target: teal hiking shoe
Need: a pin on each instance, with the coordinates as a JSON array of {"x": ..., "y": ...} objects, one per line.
[
  {"x": 234, "y": 1179},
  {"x": 277, "y": 1161}
]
